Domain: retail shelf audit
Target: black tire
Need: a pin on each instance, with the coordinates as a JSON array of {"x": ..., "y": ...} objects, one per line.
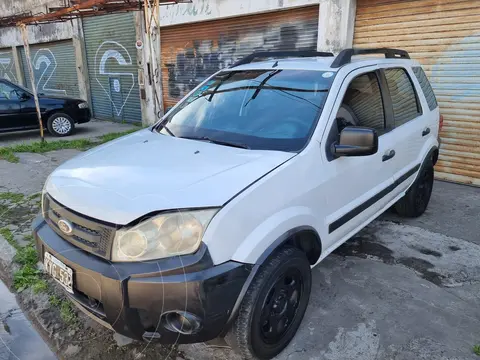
[
  {"x": 416, "y": 200},
  {"x": 280, "y": 291},
  {"x": 60, "y": 124}
]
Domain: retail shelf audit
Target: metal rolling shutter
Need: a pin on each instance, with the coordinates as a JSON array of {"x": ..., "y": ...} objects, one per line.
[
  {"x": 443, "y": 36},
  {"x": 54, "y": 67},
  {"x": 192, "y": 52},
  {"x": 112, "y": 67},
  {"x": 7, "y": 66}
]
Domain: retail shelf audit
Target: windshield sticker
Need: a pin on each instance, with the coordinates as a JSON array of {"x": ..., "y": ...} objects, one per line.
[{"x": 327, "y": 75}]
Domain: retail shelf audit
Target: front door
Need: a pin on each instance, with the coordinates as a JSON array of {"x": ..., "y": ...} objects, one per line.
[
  {"x": 360, "y": 184},
  {"x": 10, "y": 114}
]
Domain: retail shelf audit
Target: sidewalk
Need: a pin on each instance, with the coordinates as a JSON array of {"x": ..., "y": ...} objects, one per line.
[{"x": 89, "y": 130}]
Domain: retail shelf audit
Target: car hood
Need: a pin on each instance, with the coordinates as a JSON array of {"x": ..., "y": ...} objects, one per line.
[{"x": 146, "y": 172}]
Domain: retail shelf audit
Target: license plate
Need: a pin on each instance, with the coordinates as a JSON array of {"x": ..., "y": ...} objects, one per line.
[{"x": 59, "y": 271}]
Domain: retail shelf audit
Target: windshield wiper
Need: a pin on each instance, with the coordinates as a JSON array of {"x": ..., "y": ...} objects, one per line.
[
  {"x": 163, "y": 125},
  {"x": 218, "y": 142},
  {"x": 262, "y": 84}
]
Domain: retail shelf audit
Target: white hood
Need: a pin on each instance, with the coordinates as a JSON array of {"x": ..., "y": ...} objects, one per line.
[{"x": 145, "y": 172}]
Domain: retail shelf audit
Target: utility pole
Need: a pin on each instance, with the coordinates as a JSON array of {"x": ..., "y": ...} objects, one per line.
[{"x": 26, "y": 45}]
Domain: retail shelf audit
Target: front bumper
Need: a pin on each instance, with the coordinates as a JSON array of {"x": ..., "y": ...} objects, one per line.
[
  {"x": 134, "y": 298},
  {"x": 82, "y": 115}
]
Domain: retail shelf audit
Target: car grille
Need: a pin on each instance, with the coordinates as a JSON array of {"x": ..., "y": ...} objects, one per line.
[{"x": 88, "y": 234}]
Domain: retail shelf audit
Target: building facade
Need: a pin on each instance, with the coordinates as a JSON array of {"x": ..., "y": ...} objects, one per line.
[{"x": 97, "y": 59}]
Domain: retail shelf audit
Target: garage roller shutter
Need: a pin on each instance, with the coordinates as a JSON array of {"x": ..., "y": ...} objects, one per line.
[
  {"x": 7, "y": 65},
  {"x": 112, "y": 67},
  {"x": 192, "y": 52},
  {"x": 444, "y": 36},
  {"x": 54, "y": 67}
]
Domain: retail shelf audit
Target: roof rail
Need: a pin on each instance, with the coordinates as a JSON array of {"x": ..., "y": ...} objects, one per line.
[
  {"x": 345, "y": 56},
  {"x": 279, "y": 54}
]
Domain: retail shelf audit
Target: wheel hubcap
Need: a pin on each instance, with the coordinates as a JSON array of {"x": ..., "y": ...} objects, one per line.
[
  {"x": 61, "y": 125},
  {"x": 280, "y": 306}
]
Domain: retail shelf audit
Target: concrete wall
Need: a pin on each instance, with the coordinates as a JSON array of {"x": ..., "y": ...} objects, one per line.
[
  {"x": 36, "y": 34},
  {"x": 202, "y": 10}
]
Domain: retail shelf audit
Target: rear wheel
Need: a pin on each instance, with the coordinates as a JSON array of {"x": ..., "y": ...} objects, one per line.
[
  {"x": 273, "y": 307},
  {"x": 60, "y": 124},
  {"x": 416, "y": 200}
]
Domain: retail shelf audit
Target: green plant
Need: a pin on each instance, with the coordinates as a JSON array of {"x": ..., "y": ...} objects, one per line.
[
  {"x": 26, "y": 255},
  {"x": 67, "y": 312},
  {"x": 8, "y": 152},
  {"x": 26, "y": 277},
  {"x": 476, "y": 350},
  {"x": 13, "y": 197},
  {"x": 7, "y": 234}
]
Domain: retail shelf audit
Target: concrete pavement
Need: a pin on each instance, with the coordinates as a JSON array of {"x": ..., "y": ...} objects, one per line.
[
  {"x": 401, "y": 289},
  {"x": 89, "y": 130}
]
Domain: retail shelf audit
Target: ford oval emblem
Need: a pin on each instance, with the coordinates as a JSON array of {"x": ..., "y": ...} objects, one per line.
[{"x": 65, "y": 226}]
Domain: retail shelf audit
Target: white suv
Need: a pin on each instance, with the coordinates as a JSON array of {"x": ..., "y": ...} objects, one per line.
[{"x": 207, "y": 224}]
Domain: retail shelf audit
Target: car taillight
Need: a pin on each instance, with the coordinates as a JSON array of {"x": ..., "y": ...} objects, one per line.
[{"x": 440, "y": 123}]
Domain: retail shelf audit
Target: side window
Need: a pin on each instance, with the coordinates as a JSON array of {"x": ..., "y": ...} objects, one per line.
[
  {"x": 402, "y": 93},
  {"x": 7, "y": 92},
  {"x": 426, "y": 87},
  {"x": 362, "y": 104}
]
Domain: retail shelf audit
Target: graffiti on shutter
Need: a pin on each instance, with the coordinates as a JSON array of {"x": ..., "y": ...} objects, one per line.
[
  {"x": 7, "y": 66},
  {"x": 191, "y": 54},
  {"x": 45, "y": 64},
  {"x": 54, "y": 68},
  {"x": 110, "y": 57}
]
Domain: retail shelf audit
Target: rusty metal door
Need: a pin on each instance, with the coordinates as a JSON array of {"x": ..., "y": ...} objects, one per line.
[
  {"x": 444, "y": 36},
  {"x": 192, "y": 52}
]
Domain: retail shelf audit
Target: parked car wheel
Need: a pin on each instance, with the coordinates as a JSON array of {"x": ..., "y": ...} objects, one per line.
[
  {"x": 60, "y": 124},
  {"x": 416, "y": 200},
  {"x": 273, "y": 306}
]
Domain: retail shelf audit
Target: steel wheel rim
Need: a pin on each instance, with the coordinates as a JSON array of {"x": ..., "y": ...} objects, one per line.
[
  {"x": 61, "y": 125},
  {"x": 280, "y": 306}
]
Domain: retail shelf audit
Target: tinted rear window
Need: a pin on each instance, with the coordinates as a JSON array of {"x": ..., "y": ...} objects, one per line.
[{"x": 426, "y": 87}]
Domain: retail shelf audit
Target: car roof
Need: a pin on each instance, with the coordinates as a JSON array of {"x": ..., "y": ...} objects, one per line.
[{"x": 322, "y": 63}]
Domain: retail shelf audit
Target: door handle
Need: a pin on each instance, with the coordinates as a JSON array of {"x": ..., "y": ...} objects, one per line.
[
  {"x": 426, "y": 132},
  {"x": 390, "y": 154}
]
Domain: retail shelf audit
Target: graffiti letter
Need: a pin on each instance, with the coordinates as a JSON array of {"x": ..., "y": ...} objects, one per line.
[
  {"x": 45, "y": 57},
  {"x": 111, "y": 81},
  {"x": 6, "y": 67}
]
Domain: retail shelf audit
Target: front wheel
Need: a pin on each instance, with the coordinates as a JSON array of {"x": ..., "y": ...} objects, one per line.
[
  {"x": 60, "y": 124},
  {"x": 273, "y": 306},
  {"x": 416, "y": 200}
]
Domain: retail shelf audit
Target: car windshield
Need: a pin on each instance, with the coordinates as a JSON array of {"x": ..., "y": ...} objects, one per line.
[{"x": 271, "y": 109}]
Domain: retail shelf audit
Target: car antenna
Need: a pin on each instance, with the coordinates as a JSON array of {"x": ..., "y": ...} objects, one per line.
[{"x": 275, "y": 65}]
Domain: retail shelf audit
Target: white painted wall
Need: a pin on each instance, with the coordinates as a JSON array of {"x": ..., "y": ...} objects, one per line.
[{"x": 202, "y": 10}]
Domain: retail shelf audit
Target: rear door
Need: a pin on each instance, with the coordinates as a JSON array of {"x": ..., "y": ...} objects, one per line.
[
  {"x": 410, "y": 125},
  {"x": 10, "y": 116}
]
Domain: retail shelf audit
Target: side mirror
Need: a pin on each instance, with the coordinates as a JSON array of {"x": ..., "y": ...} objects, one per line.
[
  {"x": 356, "y": 141},
  {"x": 24, "y": 96}
]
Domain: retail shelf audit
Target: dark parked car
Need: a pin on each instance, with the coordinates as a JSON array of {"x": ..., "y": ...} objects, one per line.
[{"x": 59, "y": 113}]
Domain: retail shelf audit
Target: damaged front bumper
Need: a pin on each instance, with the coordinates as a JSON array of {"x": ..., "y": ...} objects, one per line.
[{"x": 184, "y": 299}]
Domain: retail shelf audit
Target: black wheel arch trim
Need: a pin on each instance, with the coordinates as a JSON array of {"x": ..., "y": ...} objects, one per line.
[{"x": 265, "y": 255}]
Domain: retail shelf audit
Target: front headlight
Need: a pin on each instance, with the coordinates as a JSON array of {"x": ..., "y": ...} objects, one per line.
[
  {"x": 83, "y": 105},
  {"x": 162, "y": 236}
]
